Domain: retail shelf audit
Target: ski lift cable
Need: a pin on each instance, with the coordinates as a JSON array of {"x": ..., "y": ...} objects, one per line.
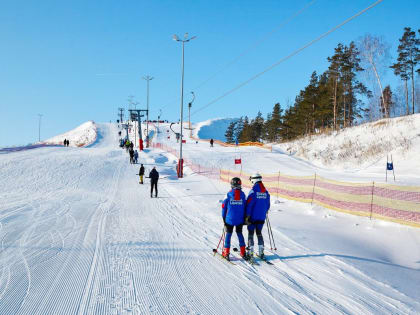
[
  {"x": 287, "y": 57},
  {"x": 255, "y": 44}
]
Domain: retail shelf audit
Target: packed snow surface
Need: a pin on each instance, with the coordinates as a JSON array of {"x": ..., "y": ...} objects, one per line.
[{"x": 80, "y": 235}]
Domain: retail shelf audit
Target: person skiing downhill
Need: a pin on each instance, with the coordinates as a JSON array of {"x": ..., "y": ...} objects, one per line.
[
  {"x": 233, "y": 214},
  {"x": 141, "y": 173},
  {"x": 154, "y": 177},
  {"x": 257, "y": 206}
]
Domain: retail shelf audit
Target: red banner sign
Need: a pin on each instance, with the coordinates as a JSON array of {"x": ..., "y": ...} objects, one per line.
[{"x": 238, "y": 161}]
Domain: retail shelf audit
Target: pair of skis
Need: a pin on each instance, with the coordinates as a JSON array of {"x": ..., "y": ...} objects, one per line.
[{"x": 251, "y": 260}]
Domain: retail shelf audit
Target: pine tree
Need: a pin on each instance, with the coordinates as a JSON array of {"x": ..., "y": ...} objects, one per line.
[
  {"x": 245, "y": 134},
  {"x": 334, "y": 72},
  {"x": 229, "y": 134},
  {"x": 408, "y": 57},
  {"x": 238, "y": 129},
  {"x": 273, "y": 124},
  {"x": 256, "y": 127}
]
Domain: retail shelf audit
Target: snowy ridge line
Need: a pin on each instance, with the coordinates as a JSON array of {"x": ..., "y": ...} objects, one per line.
[{"x": 398, "y": 204}]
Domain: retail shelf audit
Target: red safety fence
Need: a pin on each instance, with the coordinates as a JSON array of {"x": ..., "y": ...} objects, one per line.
[{"x": 400, "y": 204}]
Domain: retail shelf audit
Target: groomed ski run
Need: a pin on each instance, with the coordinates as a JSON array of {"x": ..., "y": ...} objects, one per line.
[{"x": 79, "y": 235}]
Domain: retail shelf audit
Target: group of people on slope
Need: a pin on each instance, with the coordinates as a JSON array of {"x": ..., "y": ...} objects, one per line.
[
  {"x": 239, "y": 210},
  {"x": 154, "y": 177},
  {"x": 66, "y": 142},
  {"x": 129, "y": 147}
]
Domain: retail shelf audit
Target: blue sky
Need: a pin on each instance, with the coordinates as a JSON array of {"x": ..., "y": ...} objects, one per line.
[{"x": 74, "y": 61}]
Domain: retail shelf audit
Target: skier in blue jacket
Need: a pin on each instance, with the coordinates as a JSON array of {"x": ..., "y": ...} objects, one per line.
[
  {"x": 257, "y": 206},
  {"x": 233, "y": 214}
]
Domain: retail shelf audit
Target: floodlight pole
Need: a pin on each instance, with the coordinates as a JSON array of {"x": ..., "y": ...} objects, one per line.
[
  {"x": 39, "y": 127},
  {"x": 183, "y": 41},
  {"x": 147, "y": 78}
]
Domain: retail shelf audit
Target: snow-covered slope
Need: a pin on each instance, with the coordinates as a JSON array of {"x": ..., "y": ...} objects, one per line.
[
  {"x": 213, "y": 128},
  {"x": 79, "y": 235},
  {"x": 364, "y": 145},
  {"x": 83, "y": 135}
]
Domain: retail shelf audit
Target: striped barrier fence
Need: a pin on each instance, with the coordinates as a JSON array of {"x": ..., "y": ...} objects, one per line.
[{"x": 399, "y": 204}]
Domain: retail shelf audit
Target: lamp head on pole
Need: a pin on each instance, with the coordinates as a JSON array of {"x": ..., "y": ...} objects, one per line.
[{"x": 175, "y": 37}]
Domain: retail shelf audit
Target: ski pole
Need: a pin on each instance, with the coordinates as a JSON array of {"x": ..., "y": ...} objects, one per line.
[
  {"x": 221, "y": 237},
  {"x": 272, "y": 236},
  {"x": 269, "y": 235}
]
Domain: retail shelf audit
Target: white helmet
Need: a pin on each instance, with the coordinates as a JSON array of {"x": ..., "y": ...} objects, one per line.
[{"x": 255, "y": 178}]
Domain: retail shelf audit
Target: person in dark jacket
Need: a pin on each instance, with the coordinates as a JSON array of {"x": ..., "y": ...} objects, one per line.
[
  {"x": 131, "y": 151},
  {"x": 154, "y": 177},
  {"x": 65, "y": 142},
  {"x": 141, "y": 174},
  {"x": 211, "y": 142},
  {"x": 136, "y": 156},
  {"x": 233, "y": 214},
  {"x": 257, "y": 206}
]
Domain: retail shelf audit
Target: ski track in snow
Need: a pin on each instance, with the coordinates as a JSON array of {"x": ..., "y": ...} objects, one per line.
[{"x": 80, "y": 235}]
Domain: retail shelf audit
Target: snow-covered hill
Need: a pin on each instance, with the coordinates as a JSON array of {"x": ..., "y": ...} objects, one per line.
[
  {"x": 83, "y": 135},
  {"x": 364, "y": 145}
]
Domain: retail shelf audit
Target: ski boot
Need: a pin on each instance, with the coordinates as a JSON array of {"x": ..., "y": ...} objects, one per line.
[
  {"x": 243, "y": 253},
  {"x": 225, "y": 253},
  {"x": 261, "y": 251},
  {"x": 250, "y": 252}
]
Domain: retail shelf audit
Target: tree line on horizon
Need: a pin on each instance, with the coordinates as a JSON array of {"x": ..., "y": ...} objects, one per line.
[{"x": 349, "y": 92}]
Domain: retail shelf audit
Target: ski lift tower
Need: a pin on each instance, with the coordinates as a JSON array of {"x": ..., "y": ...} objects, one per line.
[
  {"x": 126, "y": 126},
  {"x": 160, "y": 114},
  {"x": 121, "y": 114},
  {"x": 139, "y": 113}
]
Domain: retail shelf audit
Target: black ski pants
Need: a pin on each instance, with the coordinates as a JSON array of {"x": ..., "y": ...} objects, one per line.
[
  {"x": 255, "y": 227},
  {"x": 153, "y": 183}
]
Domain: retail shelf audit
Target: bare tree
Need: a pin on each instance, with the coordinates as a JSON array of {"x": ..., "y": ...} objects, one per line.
[{"x": 374, "y": 54}]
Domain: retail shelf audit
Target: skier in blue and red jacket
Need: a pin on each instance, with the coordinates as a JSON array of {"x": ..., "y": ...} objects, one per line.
[
  {"x": 233, "y": 214},
  {"x": 257, "y": 206}
]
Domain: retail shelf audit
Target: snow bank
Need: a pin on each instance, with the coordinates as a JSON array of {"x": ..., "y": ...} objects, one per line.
[
  {"x": 213, "y": 128},
  {"x": 360, "y": 146},
  {"x": 81, "y": 136}
]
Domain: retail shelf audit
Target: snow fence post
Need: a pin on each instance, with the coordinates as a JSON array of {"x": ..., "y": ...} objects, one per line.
[
  {"x": 313, "y": 190},
  {"x": 371, "y": 200}
]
